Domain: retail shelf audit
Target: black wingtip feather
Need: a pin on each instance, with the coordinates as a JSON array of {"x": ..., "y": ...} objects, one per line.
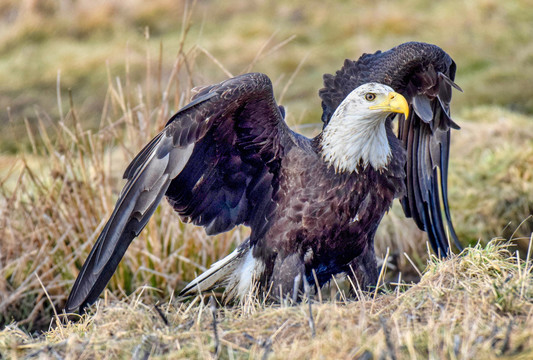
[
  {"x": 86, "y": 288},
  {"x": 444, "y": 187},
  {"x": 85, "y": 292},
  {"x": 436, "y": 217},
  {"x": 94, "y": 276}
]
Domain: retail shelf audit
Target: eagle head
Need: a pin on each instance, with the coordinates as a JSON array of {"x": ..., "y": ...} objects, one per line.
[{"x": 356, "y": 135}]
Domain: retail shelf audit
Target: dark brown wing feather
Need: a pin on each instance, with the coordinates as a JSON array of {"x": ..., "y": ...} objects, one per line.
[
  {"x": 216, "y": 162},
  {"x": 424, "y": 74}
]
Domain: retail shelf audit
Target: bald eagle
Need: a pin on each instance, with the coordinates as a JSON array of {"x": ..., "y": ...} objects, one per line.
[{"x": 313, "y": 205}]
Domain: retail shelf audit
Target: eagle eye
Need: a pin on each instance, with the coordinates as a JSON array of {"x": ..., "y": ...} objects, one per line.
[{"x": 370, "y": 96}]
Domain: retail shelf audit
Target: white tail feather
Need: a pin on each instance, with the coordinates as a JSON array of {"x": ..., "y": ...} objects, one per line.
[{"x": 233, "y": 272}]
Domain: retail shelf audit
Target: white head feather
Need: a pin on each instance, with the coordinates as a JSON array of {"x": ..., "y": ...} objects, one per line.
[{"x": 356, "y": 131}]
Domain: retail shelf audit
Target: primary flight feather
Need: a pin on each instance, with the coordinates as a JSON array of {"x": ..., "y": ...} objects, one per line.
[{"x": 313, "y": 205}]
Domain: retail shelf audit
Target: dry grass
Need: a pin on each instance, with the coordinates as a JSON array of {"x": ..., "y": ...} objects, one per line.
[{"x": 477, "y": 305}]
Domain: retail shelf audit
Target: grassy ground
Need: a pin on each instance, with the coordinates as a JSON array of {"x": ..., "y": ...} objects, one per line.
[
  {"x": 478, "y": 305},
  {"x": 104, "y": 77}
]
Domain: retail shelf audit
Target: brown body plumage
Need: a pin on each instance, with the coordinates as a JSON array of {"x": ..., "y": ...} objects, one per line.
[{"x": 325, "y": 220}]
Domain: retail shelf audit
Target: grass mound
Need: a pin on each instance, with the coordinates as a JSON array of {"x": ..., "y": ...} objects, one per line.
[{"x": 475, "y": 305}]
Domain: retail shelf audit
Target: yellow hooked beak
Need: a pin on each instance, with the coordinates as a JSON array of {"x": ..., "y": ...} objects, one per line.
[{"x": 394, "y": 103}]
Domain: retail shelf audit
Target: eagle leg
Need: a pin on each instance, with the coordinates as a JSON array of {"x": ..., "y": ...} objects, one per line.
[{"x": 287, "y": 276}]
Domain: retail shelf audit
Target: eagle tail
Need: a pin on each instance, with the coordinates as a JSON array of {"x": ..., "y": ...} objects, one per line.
[{"x": 232, "y": 272}]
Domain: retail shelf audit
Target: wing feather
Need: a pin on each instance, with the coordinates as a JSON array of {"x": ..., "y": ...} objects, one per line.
[{"x": 422, "y": 107}]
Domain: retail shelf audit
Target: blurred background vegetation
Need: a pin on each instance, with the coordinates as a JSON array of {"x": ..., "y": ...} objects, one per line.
[
  {"x": 89, "y": 40},
  {"x": 85, "y": 84}
]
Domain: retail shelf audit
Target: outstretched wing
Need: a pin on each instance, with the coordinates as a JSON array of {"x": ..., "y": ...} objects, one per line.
[
  {"x": 424, "y": 74},
  {"x": 216, "y": 160}
]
